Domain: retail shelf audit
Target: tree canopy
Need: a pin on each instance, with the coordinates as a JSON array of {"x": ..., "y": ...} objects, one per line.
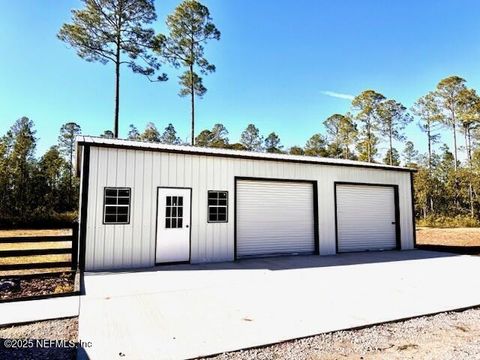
[
  {"x": 114, "y": 31},
  {"x": 190, "y": 27}
]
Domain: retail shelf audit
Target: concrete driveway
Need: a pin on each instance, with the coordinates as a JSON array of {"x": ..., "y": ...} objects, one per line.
[{"x": 188, "y": 311}]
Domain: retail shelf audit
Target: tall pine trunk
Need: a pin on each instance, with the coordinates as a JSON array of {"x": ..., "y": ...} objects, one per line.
[
  {"x": 369, "y": 144},
  {"x": 454, "y": 127},
  {"x": 429, "y": 137},
  {"x": 117, "y": 92},
  {"x": 468, "y": 145},
  {"x": 455, "y": 155},
  {"x": 192, "y": 91},
  {"x": 117, "y": 70},
  {"x": 70, "y": 174},
  {"x": 391, "y": 146}
]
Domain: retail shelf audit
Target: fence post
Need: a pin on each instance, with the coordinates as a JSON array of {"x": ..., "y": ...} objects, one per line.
[{"x": 74, "y": 245}]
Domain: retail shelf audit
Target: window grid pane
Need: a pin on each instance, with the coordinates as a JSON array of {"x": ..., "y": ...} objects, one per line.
[
  {"x": 217, "y": 206},
  {"x": 174, "y": 212},
  {"x": 116, "y": 206}
]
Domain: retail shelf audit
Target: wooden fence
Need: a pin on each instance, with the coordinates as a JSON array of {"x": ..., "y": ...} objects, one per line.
[{"x": 23, "y": 253}]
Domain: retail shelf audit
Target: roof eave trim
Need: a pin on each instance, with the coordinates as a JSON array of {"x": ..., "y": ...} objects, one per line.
[{"x": 239, "y": 156}]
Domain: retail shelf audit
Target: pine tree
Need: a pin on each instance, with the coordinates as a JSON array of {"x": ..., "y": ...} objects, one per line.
[
  {"x": 190, "y": 27},
  {"x": 66, "y": 146},
  {"x": 272, "y": 144},
  {"x": 151, "y": 133},
  {"x": 169, "y": 136},
  {"x": 410, "y": 154},
  {"x": 316, "y": 146},
  {"x": 392, "y": 157},
  {"x": 133, "y": 133},
  {"x": 393, "y": 118},
  {"x": 251, "y": 138},
  {"x": 114, "y": 31},
  {"x": 367, "y": 106}
]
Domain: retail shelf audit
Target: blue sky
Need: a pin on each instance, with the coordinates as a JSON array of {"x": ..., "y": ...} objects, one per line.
[{"x": 278, "y": 65}]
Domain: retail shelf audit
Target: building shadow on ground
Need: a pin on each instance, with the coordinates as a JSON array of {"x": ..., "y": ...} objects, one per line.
[{"x": 296, "y": 261}]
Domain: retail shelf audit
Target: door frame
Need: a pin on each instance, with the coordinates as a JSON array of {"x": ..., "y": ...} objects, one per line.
[
  {"x": 189, "y": 233},
  {"x": 315, "y": 207},
  {"x": 396, "y": 205}
]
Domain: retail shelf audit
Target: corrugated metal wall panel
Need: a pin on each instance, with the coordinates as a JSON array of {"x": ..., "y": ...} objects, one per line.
[
  {"x": 366, "y": 218},
  {"x": 146, "y": 170},
  {"x": 274, "y": 218}
]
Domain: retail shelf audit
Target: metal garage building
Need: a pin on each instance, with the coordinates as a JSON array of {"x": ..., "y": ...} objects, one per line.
[{"x": 143, "y": 204}]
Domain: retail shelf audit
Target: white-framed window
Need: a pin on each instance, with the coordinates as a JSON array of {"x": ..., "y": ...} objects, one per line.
[
  {"x": 217, "y": 206},
  {"x": 116, "y": 205}
]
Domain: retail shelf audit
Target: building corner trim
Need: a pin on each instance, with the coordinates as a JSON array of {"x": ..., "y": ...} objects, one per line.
[{"x": 84, "y": 206}]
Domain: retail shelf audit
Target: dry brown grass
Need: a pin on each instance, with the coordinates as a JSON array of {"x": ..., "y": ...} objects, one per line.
[
  {"x": 35, "y": 232},
  {"x": 448, "y": 236},
  {"x": 34, "y": 259},
  {"x": 40, "y": 245},
  {"x": 33, "y": 271}
]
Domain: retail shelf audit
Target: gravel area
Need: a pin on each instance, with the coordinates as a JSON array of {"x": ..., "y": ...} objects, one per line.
[
  {"x": 12, "y": 288},
  {"x": 454, "y": 335},
  {"x": 42, "y": 331}
]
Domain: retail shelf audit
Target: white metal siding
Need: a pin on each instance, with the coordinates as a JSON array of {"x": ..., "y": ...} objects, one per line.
[
  {"x": 274, "y": 218},
  {"x": 365, "y": 215},
  {"x": 133, "y": 245}
]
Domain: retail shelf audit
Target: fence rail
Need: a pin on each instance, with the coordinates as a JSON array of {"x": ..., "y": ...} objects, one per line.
[
  {"x": 25, "y": 253},
  {"x": 34, "y": 239}
]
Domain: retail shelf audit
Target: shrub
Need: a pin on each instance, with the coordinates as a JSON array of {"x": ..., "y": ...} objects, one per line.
[
  {"x": 39, "y": 220},
  {"x": 449, "y": 221}
]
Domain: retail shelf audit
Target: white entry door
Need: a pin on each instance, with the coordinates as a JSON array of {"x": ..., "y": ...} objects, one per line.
[{"x": 173, "y": 225}]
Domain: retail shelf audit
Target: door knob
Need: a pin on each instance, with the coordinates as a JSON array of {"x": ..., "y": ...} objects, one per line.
[
  {"x": 393, "y": 222},
  {"x": 186, "y": 226}
]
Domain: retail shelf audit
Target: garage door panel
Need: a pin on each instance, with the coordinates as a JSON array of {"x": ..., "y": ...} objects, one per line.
[
  {"x": 365, "y": 218},
  {"x": 274, "y": 218}
]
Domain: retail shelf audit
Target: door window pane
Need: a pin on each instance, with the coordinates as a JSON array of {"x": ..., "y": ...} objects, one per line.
[{"x": 174, "y": 212}]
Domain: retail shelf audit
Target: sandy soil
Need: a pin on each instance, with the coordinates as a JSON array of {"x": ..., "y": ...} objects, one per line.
[{"x": 448, "y": 236}]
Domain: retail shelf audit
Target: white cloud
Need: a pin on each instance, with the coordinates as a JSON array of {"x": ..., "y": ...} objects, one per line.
[{"x": 338, "y": 95}]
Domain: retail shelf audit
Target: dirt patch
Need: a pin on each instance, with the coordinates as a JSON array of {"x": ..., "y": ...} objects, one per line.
[
  {"x": 41, "y": 333},
  {"x": 15, "y": 288},
  {"x": 454, "y": 335},
  {"x": 448, "y": 236}
]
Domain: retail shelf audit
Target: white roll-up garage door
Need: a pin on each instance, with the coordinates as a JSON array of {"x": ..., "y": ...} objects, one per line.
[
  {"x": 365, "y": 218},
  {"x": 274, "y": 217}
]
